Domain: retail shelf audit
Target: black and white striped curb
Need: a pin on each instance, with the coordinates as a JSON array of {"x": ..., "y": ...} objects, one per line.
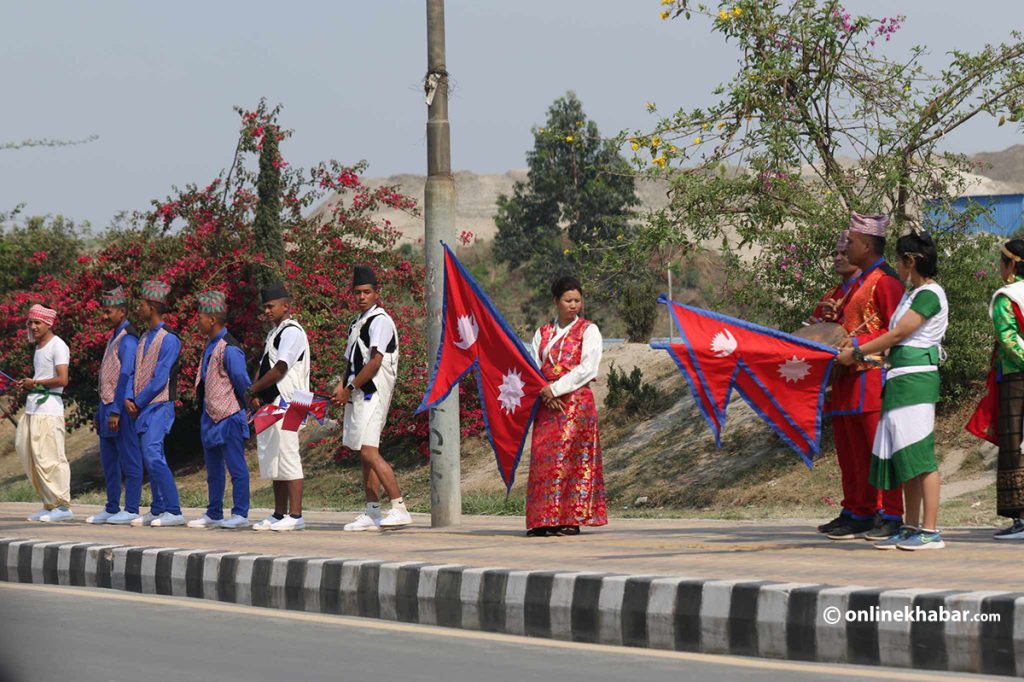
[{"x": 739, "y": 617}]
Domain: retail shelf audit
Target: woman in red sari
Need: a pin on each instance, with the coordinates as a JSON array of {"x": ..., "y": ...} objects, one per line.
[{"x": 566, "y": 487}]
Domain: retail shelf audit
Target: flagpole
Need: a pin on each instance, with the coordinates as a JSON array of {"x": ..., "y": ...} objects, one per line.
[
  {"x": 439, "y": 224},
  {"x": 668, "y": 267}
]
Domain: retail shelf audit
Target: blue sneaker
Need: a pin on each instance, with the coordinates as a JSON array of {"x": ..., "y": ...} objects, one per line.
[
  {"x": 1014, "y": 532},
  {"x": 922, "y": 540},
  {"x": 899, "y": 536}
]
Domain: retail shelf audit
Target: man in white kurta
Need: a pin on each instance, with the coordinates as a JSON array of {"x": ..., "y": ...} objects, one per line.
[{"x": 39, "y": 438}]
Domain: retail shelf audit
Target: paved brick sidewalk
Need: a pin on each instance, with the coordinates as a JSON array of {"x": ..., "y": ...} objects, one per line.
[{"x": 787, "y": 551}]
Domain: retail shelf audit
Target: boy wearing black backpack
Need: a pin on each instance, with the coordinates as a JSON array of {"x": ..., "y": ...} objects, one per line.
[
  {"x": 284, "y": 369},
  {"x": 371, "y": 373}
]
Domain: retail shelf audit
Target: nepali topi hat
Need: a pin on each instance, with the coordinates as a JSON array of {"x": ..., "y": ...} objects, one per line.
[
  {"x": 212, "y": 302},
  {"x": 156, "y": 291},
  {"x": 113, "y": 297}
]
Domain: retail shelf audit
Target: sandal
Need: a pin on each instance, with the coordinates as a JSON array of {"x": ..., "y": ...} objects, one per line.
[
  {"x": 569, "y": 530},
  {"x": 539, "y": 532}
]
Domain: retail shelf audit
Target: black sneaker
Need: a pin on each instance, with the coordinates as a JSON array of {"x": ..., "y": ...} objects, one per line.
[
  {"x": 1014, "y": 532},
  {"x": 883, "y": 530},
  {"x": 833, "y": 524},
  {"x": 852, "y": 529}
]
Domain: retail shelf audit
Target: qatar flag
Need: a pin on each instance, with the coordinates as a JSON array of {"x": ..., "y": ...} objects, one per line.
[
  {"x": 781, "y": 376},
  {"x": 303, "y": 403},
  {"x": 475, "y": 336}
]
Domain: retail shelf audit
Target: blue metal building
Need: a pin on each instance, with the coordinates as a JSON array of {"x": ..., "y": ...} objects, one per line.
[{"x": 1004, "y": 216}]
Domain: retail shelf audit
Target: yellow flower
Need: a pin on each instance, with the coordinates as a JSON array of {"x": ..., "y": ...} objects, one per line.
[
  {"x": 618, "y": 237},
  {"x": 566, "y": 252},
  {"x": 697, "y": 140},
  {"x": 542, "y": 130},
  {"x": 667, "y": 2},
  {"x": 704, "y": 126},
  {"x": 664, "y": 15},
  {"x": 723, "y": 15},
  {"x": 738, "y": 11},
  {"x": 650, "y": 106},
  {"x": 635, "y": 146},
  {"x": 655, "y": 141},
  {"x": 672, "y": 148},
  {"x": 659, "y": 162},
  {"x": 721, "y": 124},
  {"x": 568, "y": 138}
]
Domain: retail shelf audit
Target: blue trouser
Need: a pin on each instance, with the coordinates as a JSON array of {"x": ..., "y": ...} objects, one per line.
[
  {"x": 122, "y": 460},
  {"x": 161, "y": 480},
  {"x": 232, "y": 454}
]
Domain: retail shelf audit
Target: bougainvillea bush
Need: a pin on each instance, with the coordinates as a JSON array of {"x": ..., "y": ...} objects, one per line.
[{"x": 201, "y": 237}]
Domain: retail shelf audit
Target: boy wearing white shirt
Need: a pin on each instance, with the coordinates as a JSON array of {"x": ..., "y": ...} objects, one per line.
[
  {"x": 284, "y": 369},
  {"x": 39, "y": 438},
  {"x": 370, "y": 376}
]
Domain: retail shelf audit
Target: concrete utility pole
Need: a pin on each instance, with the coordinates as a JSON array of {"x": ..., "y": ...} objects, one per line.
[{"x": 439, "y": 219}]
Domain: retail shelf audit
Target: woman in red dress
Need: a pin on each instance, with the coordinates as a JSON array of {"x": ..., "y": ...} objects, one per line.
[{"x": 566, "y": 487}]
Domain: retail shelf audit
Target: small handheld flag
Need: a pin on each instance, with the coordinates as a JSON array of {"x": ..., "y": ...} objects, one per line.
[
  {"x": 302, "y": 405},
  {"x": 5, "y": 383},
  {"x": 266, "y": 416}
]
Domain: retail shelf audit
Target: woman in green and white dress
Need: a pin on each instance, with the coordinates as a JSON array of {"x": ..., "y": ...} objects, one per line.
[{"x": 904, "y": 448}]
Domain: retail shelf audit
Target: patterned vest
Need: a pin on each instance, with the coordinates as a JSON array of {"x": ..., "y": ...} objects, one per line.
[
  {"x": 219, "y": 399},
  {"x": 860, "y": 314},
  {"x": 566, "y": 353},
  {"x": 145, "y": 364},
  {"x": 110, "y": 368}
]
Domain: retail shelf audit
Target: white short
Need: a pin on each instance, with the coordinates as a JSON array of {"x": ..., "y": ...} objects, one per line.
[
  {"x": 278, "y": 453},
  {"x": 364, "y": 420}
]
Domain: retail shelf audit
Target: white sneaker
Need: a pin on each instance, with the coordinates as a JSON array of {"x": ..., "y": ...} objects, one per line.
[
  {"x": 123, "y": 518},
  {"x": 146, "y": 519},
  {"x": 205, "y": 522},
  {"x": 101, "y": 517},
  {"x": 396, "y": 518},
  {"x": 39, "y": 514},
  {"x": 266, "y": 523},
  {"x": 168, "y": 519},
  {"x": 235, "y": 522},
  {"x": 57, "y": 515},
  {"x": 365, "y": 522},
  {"x": 288, "y": 523}
]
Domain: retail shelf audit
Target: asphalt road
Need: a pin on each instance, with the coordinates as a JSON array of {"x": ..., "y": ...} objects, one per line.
[{"x": 81, "y": 635}]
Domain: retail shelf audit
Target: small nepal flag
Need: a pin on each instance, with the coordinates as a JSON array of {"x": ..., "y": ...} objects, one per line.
[
  {"x": 267, "y": 416},
  {"x": 318, "y": 408},
  {"x": 781, "y": 376},
  {"x": 475, "y": 336}
]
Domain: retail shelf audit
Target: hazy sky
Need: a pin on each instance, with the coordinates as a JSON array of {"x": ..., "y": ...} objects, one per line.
[{"x": 157, "y": 81}]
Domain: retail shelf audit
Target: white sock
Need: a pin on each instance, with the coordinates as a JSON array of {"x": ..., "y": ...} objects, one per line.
[{"x": 398, "y": 503}]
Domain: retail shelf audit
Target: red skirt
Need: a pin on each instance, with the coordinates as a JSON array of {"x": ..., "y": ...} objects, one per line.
[{"x": 566, "y": 486}]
